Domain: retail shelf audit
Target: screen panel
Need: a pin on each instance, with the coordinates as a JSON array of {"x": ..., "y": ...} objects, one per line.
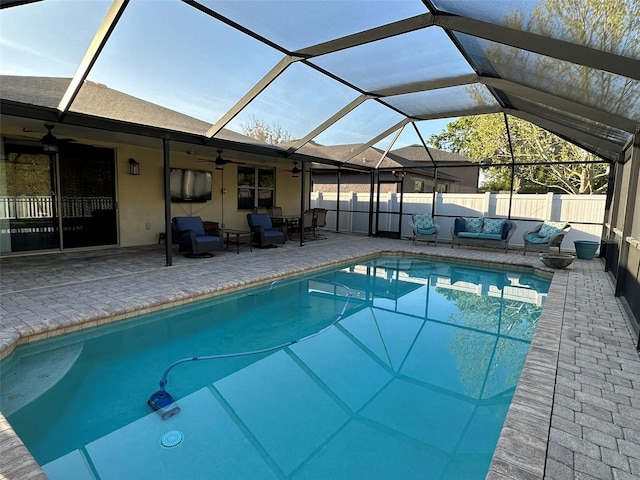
[
  {"x": 295, "y": 25},
  {"x": 186, "y": 72},
  {"x": 419, "y": 56},
  {"x": 613, "y": 29},
  {"x": 596, "y": 88}
]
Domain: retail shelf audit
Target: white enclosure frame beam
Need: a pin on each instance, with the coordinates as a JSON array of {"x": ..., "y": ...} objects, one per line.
[
  {"x": 91, "y": 55},
  {"x": 263, "y": 83}
]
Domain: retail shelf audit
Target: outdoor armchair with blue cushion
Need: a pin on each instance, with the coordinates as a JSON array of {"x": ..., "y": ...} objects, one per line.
[
  {"x": 423, "y": 228},
  {"x": 264, "y": 235},
  {"x": 544, "y": 236},
  {"x": 192, "y": 237}
]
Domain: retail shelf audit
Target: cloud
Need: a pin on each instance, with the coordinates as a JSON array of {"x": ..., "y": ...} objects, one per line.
[
  {"x": 19, "y": 59},
  {"x": 5, "y": 43}
]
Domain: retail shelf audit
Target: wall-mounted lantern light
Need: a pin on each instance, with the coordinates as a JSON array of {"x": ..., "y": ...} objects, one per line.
[{"x": 134, "y": 167}]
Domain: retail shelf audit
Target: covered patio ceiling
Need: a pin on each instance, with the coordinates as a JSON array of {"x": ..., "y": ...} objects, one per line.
[{"x": 383, "y": 74}]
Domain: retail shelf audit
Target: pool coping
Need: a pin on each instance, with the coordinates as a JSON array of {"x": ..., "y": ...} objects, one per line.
[
  {"x": 522, "y": 447},
  {"x": 521, "y": 451}
]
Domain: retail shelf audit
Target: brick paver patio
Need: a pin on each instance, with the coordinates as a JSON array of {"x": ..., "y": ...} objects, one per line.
[{"x": 575, "y": 414}]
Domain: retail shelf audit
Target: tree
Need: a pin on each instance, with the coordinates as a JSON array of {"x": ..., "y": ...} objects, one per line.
[
  {"x": 608, "y": 25},
  {"x": 493, "y": 342},
  {"x": 26, "y": 174},
  {"x": 484, "y": 138},
  {"x": 258, "y": 129}
]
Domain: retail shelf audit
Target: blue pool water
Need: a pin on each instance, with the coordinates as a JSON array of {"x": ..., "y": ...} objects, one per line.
[{"x": 414, "y": 381}]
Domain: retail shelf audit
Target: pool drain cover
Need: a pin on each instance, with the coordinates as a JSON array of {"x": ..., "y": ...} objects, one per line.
[{"x": 172, "y": 438}]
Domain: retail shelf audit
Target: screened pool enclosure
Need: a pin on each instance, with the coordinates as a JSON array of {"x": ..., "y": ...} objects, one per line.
[
  {"x": 345, "y": 84},
  {"x": 100, "y": 100}
]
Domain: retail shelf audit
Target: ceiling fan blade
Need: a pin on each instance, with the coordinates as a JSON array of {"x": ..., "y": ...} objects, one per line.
[{"x": 295, "y": 171}]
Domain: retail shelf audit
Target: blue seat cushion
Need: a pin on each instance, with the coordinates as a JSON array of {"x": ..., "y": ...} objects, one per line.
[
  {"x": 535, "y": 238},
  {"x": 458, "y": 226},
  {"x": 482, "y": 236},
  {"x": 272, "y": 233},
  {"x": 207, "y": 240},
  {"x": 427, "y": 231}
]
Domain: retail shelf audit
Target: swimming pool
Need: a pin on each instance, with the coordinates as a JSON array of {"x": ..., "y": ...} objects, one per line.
[{"x": 417, "y": 377}]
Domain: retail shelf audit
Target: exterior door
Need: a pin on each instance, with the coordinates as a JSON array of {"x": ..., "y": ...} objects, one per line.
[
  {"x": 28, "y": 200},
  {"x": 87, "y": 196},
  {"x": 56, "y": 201},
  {"x": 388, "y": 219}
]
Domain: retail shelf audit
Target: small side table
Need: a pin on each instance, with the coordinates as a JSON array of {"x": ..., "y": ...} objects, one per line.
[
  {"x": 210, "y": 228},
  {"x": 238, "y": 233}
]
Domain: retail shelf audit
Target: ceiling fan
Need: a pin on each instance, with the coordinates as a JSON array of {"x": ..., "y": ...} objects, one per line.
[
  {"x": 219, "y": 161},
  {"x": 295, "y": 171},
  {"x": 49, "y": 141}
]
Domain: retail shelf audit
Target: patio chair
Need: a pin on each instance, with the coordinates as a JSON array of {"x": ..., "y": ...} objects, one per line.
[
  {"x": 264, "y": 235},
  {"x": 320, "y": 221},
  {"x": 277, "y": 221},
  {"x": 309, "y": 220},
  {"x": 424, "y": 230},
  {"x": 545, "y": 236},
  {"x": 192, "y": 237}
]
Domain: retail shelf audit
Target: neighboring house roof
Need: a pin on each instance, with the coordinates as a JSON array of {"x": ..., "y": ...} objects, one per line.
[
  {"x": 99, "y": 100},
  {"x": 417, "y": 156},
  {"x": 413, "y": 156},
  {"x": 340, "y": 153},
  {"x": 425, "y": 172}
]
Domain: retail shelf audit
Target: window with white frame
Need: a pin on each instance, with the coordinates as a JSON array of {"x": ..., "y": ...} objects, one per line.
[{"x": 256, "y": 187}]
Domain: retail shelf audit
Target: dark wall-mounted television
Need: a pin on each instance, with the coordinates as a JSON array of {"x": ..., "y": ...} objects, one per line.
[{"x": 190, "y": 185}]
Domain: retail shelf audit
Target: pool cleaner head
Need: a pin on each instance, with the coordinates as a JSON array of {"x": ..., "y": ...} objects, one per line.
[{"x": 164, "y": 404}]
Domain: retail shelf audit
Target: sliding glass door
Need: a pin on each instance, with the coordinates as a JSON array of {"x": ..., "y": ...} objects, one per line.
[
  {"x": 28, "y": 201},
  {"x": 87, "y": 196},
  {"x": 56, "y": 201}
]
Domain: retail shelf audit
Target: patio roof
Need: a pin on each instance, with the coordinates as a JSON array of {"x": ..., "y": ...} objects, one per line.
[{"x": 329, "y": 73}]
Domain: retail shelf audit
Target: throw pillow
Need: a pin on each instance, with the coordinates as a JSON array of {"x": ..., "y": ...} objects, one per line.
[
  {"x": 551, "y": 228},
  {"x": 492, "y": 225},
  {"x": 423, "y": 221},
  {"x": 473, "y": 224},
  {"x": 506, "y": 228}
]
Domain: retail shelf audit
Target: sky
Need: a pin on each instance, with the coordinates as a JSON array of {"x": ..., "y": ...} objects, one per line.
[{"x": 204, "y": 67}]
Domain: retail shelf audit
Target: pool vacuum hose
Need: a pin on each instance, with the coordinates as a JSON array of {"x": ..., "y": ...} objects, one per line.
[{"x": 162, "y": 401}]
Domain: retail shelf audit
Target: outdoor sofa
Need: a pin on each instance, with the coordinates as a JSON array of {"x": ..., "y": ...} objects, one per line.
[{"x": 482, "y": 232}]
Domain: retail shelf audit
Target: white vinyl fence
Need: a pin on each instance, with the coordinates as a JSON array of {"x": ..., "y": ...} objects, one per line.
[
  {"x": 585, "y": 213},
  {"x": 34, "y": 207}
]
